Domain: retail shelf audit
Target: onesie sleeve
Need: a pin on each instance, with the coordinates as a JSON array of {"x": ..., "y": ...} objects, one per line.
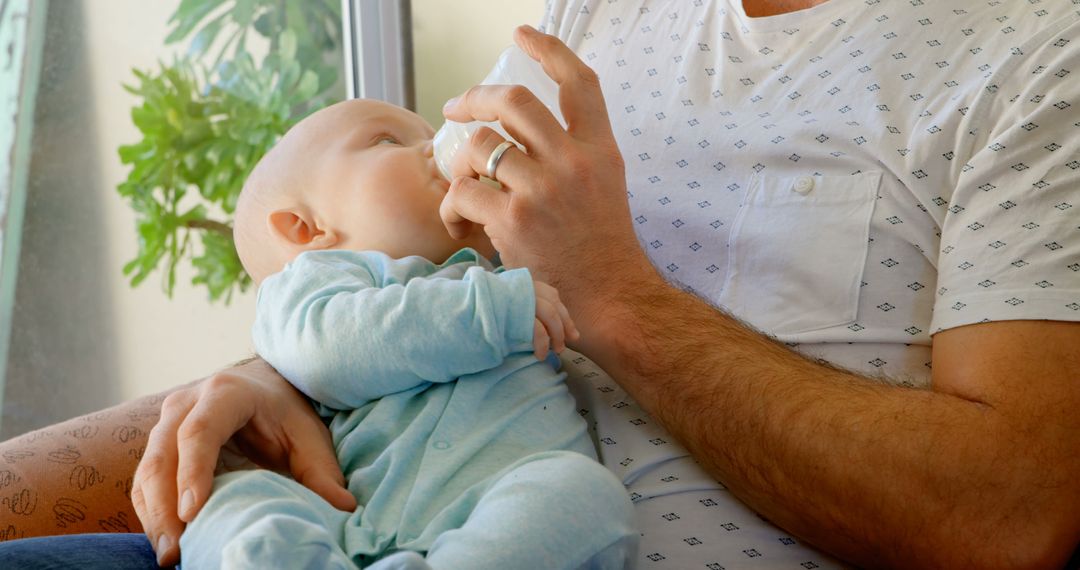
[
  {"x": 334, "y": 326},
  {"x": 1010, "y": 241}
]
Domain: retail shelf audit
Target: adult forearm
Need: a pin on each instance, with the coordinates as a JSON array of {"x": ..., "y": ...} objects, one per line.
[
  {"x": 75, "y": 476},
  {"x": 877, "y": 474}
]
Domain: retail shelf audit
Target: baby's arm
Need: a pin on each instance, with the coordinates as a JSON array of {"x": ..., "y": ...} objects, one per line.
[{"x": 332, "y": 326}]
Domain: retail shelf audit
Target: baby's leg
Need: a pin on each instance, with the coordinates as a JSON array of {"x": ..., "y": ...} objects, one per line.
[
  {"x": 259, "y": 519},
  {"x": 557, "y": 510}
]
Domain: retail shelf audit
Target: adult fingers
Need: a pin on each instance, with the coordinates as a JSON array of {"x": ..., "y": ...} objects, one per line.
[
  {"x": 220, "y": 411},
  {"x": 523, "y": 116},
  {"x": 456, "y": 224},
  {"x": 312, "y": 461},
  {"x": 468, "y": 201},
  {"x": 580, "y": 98},
  {"x": 153, "y": 489},
  {"x": 514, "y": 169}
]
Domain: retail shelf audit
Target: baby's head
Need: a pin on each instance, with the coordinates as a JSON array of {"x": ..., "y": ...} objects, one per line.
[{"x": 357, "y": 175}]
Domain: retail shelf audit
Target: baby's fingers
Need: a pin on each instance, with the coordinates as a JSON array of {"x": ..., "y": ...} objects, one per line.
[
  {"x": 568, "y": 323},
  {"x": 540, "y": 340},
  {"x": 551, "y": 294},
  {"x": 548, "y": 313}
]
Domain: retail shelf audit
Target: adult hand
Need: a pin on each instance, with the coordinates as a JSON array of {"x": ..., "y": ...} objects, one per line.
[
  {"x": 267, "y": 419},
  {"x": 562, "y": 210}
]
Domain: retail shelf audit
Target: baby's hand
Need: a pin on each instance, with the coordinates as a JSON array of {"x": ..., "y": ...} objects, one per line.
[{"x": 553, "y": 325}]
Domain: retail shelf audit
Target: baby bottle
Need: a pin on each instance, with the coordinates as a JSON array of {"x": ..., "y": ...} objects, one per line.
[{"x": 514, "y": 67}]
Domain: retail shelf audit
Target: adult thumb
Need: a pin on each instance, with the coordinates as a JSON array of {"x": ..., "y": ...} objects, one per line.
[{"x": 313, "y": 464}]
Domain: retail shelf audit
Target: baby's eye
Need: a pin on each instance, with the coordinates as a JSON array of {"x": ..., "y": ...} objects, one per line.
[{"x": 386, "y": 139}]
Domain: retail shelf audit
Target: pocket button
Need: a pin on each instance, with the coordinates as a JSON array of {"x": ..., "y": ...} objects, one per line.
[{"x": 803, "y": 185}]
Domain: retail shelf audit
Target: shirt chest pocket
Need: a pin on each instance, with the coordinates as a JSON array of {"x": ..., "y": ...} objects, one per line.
[{"x": 797, "y": 252}]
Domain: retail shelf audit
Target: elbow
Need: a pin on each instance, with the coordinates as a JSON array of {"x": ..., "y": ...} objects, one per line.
[
  {"x": 1026, "y": 515},
  {"x": 1044, "y": 546},
  {"x": 314, "y": 371},
  {"x": 298, "y": 367},
  {"x": 1042, "y": 527},
  {"x": 1042, "y": 542},
  {"x": 308, "y": 376}
]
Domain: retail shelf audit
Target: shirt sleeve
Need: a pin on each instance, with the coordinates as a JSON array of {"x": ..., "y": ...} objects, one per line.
[
  {"x": 332, "y": 328},
  {"x": 1010, "y": 242}
]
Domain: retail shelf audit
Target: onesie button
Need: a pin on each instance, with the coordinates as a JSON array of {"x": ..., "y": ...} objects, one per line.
[
  {"x": 441, "y": 444},
  {"x": 803, "y": 185}
]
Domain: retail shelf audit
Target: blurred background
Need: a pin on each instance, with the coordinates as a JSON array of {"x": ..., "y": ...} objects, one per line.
[{"x": 81, "y": 337}]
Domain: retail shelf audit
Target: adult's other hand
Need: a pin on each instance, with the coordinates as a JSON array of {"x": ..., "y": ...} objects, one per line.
[
  {"x": 265, "y": 417},
  {"x": 562, "y": 210}
]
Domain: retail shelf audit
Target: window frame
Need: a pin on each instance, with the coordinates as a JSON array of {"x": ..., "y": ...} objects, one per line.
[{"x": 378, "y": 50}]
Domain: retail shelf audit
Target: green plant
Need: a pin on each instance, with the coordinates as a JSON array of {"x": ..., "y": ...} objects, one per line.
[{"x": 209, "y": 116}]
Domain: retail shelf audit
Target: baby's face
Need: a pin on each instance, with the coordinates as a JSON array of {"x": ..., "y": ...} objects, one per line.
[{"x": 377, "y": 184}]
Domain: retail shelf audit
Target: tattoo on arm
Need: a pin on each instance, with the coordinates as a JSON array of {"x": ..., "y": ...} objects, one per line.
[{"x": 76, "y": 476}]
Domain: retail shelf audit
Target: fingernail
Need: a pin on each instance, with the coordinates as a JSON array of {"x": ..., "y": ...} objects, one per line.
[
  {"x": 164, "y": 543},
  {"x": 450, "y": 103},
  {"x": 187, "y": 500}
]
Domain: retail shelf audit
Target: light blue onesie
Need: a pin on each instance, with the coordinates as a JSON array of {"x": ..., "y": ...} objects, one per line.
[{"x": 457, "y": 443}]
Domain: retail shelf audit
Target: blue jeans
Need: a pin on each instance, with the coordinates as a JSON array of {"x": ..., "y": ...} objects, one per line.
[
  {"x": 83, "y": 551},
  {"x": 117, "y": 552}
]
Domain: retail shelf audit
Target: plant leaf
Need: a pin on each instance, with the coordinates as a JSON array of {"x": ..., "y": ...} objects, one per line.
[{"x": 188, "y": 15}]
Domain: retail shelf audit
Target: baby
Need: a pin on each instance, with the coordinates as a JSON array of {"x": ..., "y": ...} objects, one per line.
[{"x": 458, "y": 438}]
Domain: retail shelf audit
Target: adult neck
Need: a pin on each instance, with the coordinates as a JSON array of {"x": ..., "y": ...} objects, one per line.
[{"x": 762, "y": 8}]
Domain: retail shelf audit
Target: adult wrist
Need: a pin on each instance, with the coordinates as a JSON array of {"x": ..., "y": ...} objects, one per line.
[{"x": 609, "y": 312}]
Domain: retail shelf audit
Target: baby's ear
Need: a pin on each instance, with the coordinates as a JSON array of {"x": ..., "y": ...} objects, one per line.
[{"x": 297, "y": 228}]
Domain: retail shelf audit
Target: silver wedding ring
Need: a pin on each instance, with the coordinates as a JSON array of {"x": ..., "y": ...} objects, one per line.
[{"x": 496, "y": 154}]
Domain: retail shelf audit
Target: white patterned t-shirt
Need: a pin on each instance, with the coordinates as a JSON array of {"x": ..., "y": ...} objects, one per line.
[
  {"x": 863, "y": 171},
  {"x": 850, "y": 179}
]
